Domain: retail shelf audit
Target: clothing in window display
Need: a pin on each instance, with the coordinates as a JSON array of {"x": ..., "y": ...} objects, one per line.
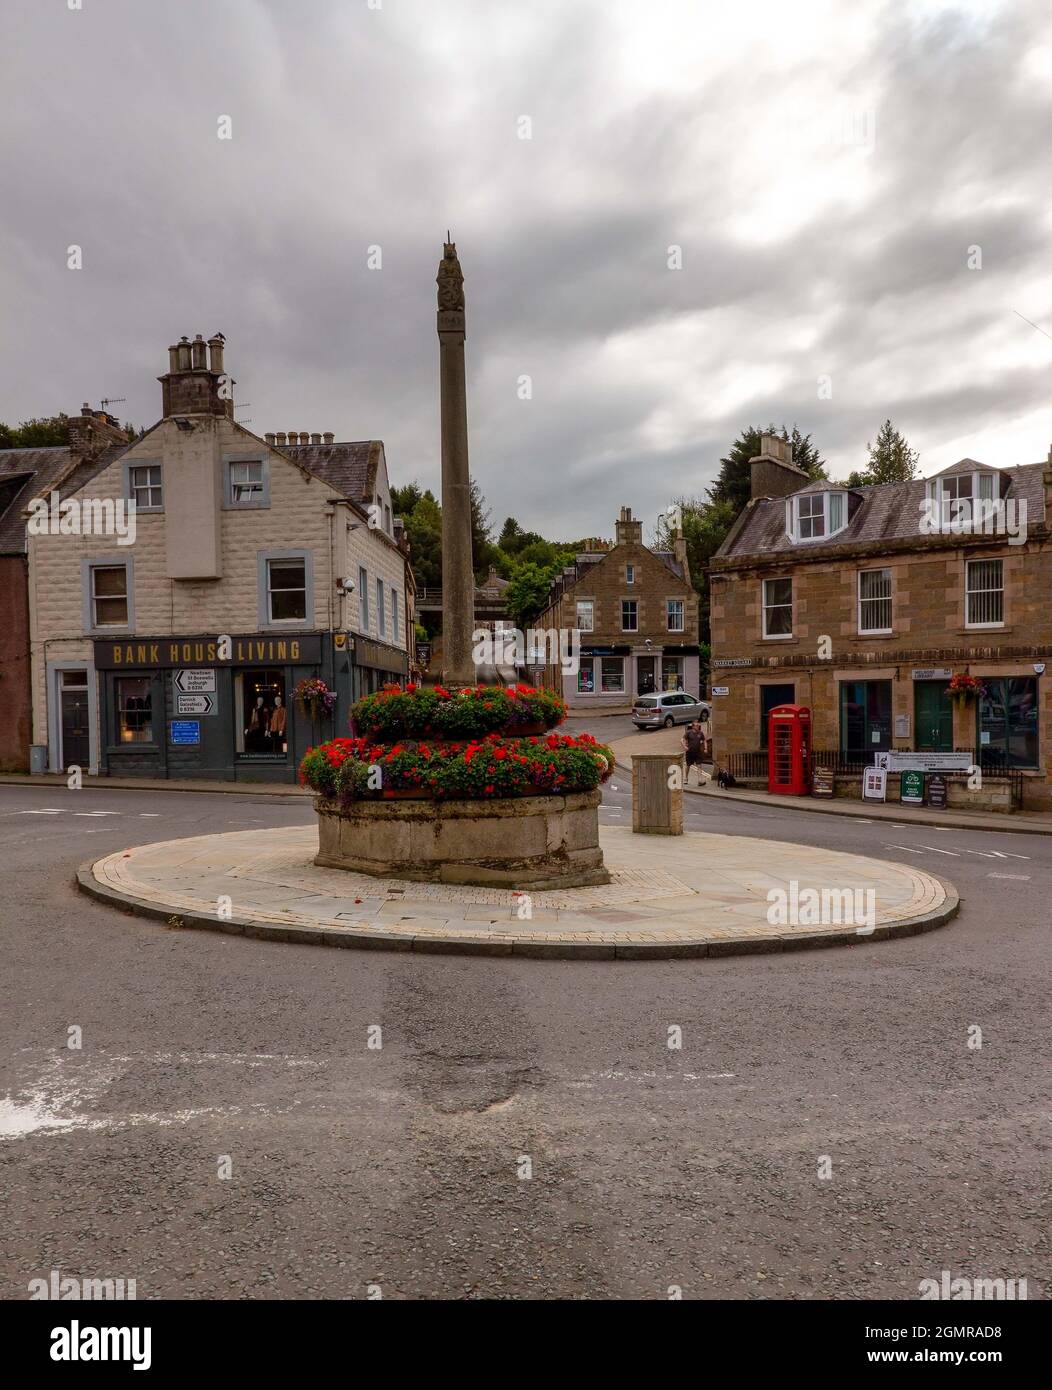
[
  {"x": 278, "y": 723},
  {"x": 256, "y": 735}
]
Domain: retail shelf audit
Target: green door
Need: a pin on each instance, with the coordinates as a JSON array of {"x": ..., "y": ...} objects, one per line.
[{"x": 933, "y": 717}]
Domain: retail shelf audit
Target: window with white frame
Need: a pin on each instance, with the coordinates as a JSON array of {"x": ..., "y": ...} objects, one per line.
[
  {"x": 812, "y": 516},
  {"x": 287, "y": 590},
  {"x": 363, "y": 598},
  {"x": 247, "y": 483},
  {"x": 144, "y": 486},
  {"x": 629, "y": 615},
  {"x": 394, "y": 613},
  {"x": 109, "y": 595},
  {"x": 984, "y": 593},
  {"x": 586, "y": 614},
  {"x": 874, "y": 600},
  {"x": 381, "y": 621},
  {"x": 777, "y": 608},
  {"x": 630, "y": 574},
  {"x": 674, "y": 614}
]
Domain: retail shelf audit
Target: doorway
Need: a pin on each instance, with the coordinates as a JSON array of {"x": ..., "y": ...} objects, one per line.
[
  {"x": 933, "y": 717},
  {"x": 645, "y": 675},
  {"x": 74, "y": 719}
]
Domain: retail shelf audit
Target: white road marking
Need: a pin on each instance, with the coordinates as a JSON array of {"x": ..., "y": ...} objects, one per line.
[
  {"x": 986, "y": 854},
  {"x": 96, "y": 813},
  {"x": 1006, "y": 854},
  {"x": 1024, "y": 878},
  {"x": 908, "y": 848},
  {"x": 951, "y": 852},
  {"x": 149, "y": 813},
  {"x": 56, "y": 812}
]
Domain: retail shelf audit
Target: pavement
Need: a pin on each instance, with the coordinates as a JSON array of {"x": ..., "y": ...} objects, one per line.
[
  {"x": 669, "y": 741},
  {"x": 378, "y": 1108},
  {"x": 669, "y": 896}
]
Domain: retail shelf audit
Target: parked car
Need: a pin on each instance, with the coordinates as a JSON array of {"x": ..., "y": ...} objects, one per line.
[{"x": 668, "y": 708}]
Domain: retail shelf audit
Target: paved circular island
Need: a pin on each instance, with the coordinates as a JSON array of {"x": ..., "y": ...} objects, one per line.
[{"x": 694, "y": 895}]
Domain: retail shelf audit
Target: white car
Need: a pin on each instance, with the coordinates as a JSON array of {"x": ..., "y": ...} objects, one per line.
[{"x": 667, "y": 708}]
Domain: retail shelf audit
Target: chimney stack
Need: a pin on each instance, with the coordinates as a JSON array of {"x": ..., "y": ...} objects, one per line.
[
  {"x": 92, "y": 432},
  {"x": 628, "y": 531},
  {"x": 772, "y": 472},
  {"x": 191, "y": 386}
]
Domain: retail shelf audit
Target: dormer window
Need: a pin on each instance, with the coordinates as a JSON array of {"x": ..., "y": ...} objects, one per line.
[
  {"x": 812, "y": 516},
  {"x": 954, "y": 494}
]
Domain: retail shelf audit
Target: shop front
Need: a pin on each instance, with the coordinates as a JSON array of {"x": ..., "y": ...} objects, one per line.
[
  {"x": 372, "y": 665},
  {"x": 214, "y": 708}
]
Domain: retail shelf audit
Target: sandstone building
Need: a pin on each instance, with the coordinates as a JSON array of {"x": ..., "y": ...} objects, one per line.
[
  {"x": 637, "y": 614},
  {"x": 847, "y": 601}
]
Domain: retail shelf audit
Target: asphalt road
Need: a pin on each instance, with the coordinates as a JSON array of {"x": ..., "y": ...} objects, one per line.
[{"x": 525, "y": 1130}]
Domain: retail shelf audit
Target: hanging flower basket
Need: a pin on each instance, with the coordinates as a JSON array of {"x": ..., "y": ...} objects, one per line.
[
  {"x": 314, "y": 698},
  {"x": 964, "y": 689}
]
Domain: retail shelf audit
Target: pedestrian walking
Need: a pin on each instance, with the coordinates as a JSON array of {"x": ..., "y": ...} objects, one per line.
[{"x": 694, "y": 747}]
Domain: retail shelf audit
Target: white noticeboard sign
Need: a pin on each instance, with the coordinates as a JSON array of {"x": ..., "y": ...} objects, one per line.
[
  {"x": 195, "y": 681},
  {"x": 721, "y": 690},
  {"x": 899, "y": 760},
  {"x": 875, "y": 784}
]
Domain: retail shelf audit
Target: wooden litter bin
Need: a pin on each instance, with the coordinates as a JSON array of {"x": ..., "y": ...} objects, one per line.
[{"x": 657, "y": 807}]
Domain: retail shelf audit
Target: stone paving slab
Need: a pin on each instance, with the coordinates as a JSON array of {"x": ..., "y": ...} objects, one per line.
[{"x": 692, "y": 895}]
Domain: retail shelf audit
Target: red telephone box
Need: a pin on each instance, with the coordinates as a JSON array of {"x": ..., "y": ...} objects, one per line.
[{"x": 789, "y": 750}]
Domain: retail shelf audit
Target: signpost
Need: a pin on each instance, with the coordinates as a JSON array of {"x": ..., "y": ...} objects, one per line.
[
  {"x": 186, "y": 731},
  {"x": 195, "y": 704},
  {"x": 721, "y": 690},
  {"x": 194, "y": 681},
  {"x": 911, "y": 788},
  {"x": 899, "y": 760},
  {"x": 875, "y": 784}
]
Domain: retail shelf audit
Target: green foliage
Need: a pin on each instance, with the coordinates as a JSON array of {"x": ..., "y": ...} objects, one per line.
[
  {"x": 891, "y": 460},
  {"x": 527, "y": 593},
  {"x": 705, "y": 528},
  {"x": 50, "y": 431},
  {"x": 733, "y": 484},
  {"x": 434, "y": 712}
]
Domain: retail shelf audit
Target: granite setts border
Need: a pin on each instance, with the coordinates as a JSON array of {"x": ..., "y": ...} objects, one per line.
[{"x": 930, "y": 903}]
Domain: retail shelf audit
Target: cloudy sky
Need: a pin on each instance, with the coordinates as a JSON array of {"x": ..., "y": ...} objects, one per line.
[{"x": 832, "y": 173}]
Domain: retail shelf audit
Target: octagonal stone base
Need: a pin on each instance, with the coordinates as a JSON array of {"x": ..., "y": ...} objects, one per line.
[{"x": 516, "y": 842}]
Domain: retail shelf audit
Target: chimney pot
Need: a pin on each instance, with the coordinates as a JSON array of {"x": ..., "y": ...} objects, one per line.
[
  {"x": 269, "y": 437},
  {"x": 315, "y": 439},
  {"x": 294, "y": 436},
  {"x": 183, "y": 353},
  {"x": 328, "y": 437},
  {"x": 304, "y": 437},
  {"x": 197, "y": 351},
  {"x": 280, "y": 437},
  {"x": 215, "y": 354}
]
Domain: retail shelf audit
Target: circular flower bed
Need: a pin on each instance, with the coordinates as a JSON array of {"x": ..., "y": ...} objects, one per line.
[
  {"x": 435, "y": 712},
  {"x": 357, "y": 768}
]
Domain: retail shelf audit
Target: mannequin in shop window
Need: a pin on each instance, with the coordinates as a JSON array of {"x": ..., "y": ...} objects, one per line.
[
  {"x": 258, "y": 727},
  {"x": 278, "y": 721}
]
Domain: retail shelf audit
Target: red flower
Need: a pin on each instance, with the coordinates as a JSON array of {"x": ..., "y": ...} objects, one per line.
[{"x": 488, "y": 791}]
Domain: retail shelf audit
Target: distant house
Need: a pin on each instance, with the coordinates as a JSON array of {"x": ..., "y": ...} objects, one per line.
[{"x": 637, "y": 614}]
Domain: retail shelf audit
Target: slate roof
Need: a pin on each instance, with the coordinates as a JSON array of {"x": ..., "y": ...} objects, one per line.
[
  {"x": 49, "y": 468},
  {"x": 887, "y": 512},
  {"x": 350, "y": 468}
]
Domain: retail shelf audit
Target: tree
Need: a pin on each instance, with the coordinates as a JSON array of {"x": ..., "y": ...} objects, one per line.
[
  {"x": 423, "y": 526},
  {"x": 49, "y": 431},
  {"x": 705, "y": 528},
  {"x": 404, "y": 499},
  {"x": 891, "y": 460},
  {"x": 527, "y": 593},
  {"x": 734, "y": 481},
  {"x": 483, "y": 551}
]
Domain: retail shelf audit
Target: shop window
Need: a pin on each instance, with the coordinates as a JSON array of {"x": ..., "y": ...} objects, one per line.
[
  {"x": 671, "y": 673},
  {"x": 586, "y": 676},
  {"x": 771, "y": 696},
  {"x": 865, "y": 718},
  {"x": 629, "y": 615},
  {"x": 134, "y": 699},
  {"x": 874, "y": 600},
  {"x": 777, "y": 608},
  {"x": 674, "y": 614},
  {"x": 985, "y": 596},
  {"x": 1008, "y": 721},
  {"x": 259, "y": 694},
  {"x": 613, "y": 675}
]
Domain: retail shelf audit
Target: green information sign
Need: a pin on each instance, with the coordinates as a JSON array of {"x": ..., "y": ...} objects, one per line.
[{"x": 911, "y": 789}]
